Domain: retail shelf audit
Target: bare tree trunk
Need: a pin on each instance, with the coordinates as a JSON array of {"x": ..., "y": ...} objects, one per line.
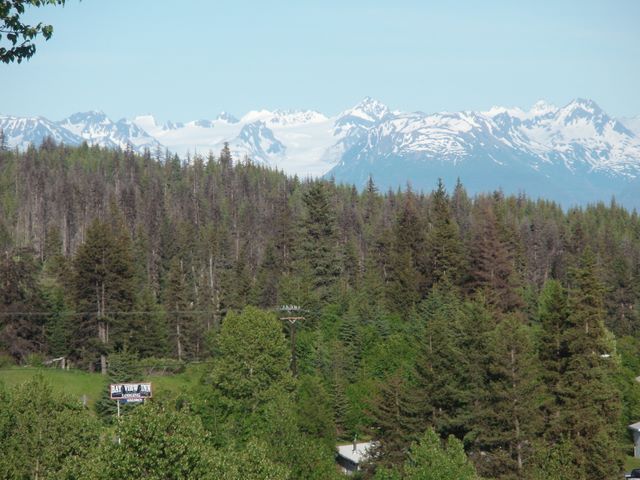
[
  {"x": 211, "y": 290},
  {"x": 516, "y": 419},
  {"x": 102, "y": 329},
  {"x": 178, "y": 341}
]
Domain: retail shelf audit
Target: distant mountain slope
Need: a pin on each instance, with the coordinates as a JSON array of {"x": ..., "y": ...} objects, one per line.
[
  {"x": 97, "y": 129},
  {"x": 574, "y": 154},
  {"x": 22, "y": 131}
]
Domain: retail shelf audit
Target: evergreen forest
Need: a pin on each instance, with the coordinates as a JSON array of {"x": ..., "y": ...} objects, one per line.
[{"x": 491, "y": 337}]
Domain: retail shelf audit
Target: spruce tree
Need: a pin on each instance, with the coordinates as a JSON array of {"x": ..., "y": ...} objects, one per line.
[
  {"x": 590, "y": 400},
  {"x": 21, "y": 330},
  {"x": 225, "y": 156},
  {"x": 407, "y": 258},
  {"x": 552, "y": 351},
  {"x": 350, "y": 334},
  {"x": 313, "y": 409},
  {"x": 445, "y": 252},
  {"x": 251, "y": 367},
  {"x": 394, "y": 422},
  {"x": 3, "y": 141},
  {"x": 102, "y": 284},
  {"x": 176, "y": 301},
  {"x": 508, "y": 420},
  {"x": 431, "y": 459},
  {"x": 440, "y": 393},
  {"x": 319, "y": 241},
  {"x": 265, "y": 292},
  {"x": 492, "y": 269},
  {"x": 148, "y": 334}
]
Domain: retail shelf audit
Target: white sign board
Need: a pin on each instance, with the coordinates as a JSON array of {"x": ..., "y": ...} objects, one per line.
[{"x": 129, "y": 391}]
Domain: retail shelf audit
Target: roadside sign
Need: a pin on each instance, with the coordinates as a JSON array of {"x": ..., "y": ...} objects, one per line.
[{"x": 130, "y": 391}]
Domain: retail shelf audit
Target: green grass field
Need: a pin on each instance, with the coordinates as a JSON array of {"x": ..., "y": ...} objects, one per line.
[
  {"x": 631, "y": 463},
  {"x": 77, "y": 383}
]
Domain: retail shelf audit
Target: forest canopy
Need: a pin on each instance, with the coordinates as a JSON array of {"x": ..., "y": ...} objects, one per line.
[{"x": 493, "y": 336}]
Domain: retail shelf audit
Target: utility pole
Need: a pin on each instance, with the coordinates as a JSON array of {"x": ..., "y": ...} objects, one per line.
[{"x": 292, "y": 319}]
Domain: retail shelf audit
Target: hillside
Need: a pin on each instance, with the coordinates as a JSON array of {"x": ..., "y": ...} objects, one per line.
[
  {"x": 441, "y": 309},
  {"x": 79, "y": 384}
]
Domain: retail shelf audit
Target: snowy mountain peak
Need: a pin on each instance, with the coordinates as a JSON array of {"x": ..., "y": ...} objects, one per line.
[
  {"x": 585, "y": 104},
  {"x": 541, "y": 144},
  {"x": 97, "y": 129},
  {"x": 283, "y": 118},
  {"x": 538, "y": 109},
  {"x": 21, "y": 132},
  {"x": 226, "y": 117},
  {"x": 146, "y": 122},
  {"x": 296, "y": 117},
  {"x": 91, "y": 117},
  {"x": 514, "y": 112},
  {"x": 369, "y": 109},
  {"x": 257, "y": 141},
  {"x": 542, "y": 107}
]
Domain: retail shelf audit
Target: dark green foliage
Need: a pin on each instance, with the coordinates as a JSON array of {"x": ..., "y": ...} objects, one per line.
[
  {"x": 389, "y": 346},
  {"x": 41, "y": 433},
  {"x": 21, "y": 298},
  {"x": 508, "y": 422},
  {"x": 313, "y": 406},
  {"x": 445, "y": 252},
  {"x": 122, "y": 367},
  {"x": 407, "y": 258},
  {"x": 318, "y": 240},
  {"x": 148, "y": 334},
  {"x": 554, "y": 462},
  {"x": 303, "y": 455},
  {"x": 251, "y": 368},
  {"x": 432, "y": 459},
  {"x": 177, "y": 303},
  {"x": 102, "y": 286},
  {"x": 492, "y": 270},
  {"x": 442, "y": 373},
  {"x": 429, "y": 459},
  {"x": 158, "y": 443},
  {"x": 251, "y": 462},
  {"x": 395, "y": 423},
  {"x": 591, "y": 403},
  {"x": 553, "y": 315},
  {"x": 20, "y": 36},
  {"x": 267, "y": 283}
]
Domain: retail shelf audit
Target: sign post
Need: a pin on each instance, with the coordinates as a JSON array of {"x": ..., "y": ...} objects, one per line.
[
  {"x": 292, "y": 318},
  {"x": 134, "y": 392},
  {"x": 129, "y": 393}
]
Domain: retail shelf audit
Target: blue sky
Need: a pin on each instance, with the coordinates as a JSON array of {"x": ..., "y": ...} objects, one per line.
[{"x": 190, "y": 59}]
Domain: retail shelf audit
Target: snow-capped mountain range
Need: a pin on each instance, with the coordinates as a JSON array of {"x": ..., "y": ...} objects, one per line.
[
  {"x": 92, "y": 127},
  {"x": 574, "y": 154}
]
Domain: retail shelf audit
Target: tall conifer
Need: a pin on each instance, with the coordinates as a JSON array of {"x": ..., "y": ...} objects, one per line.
[
  {"x": 445, "y": 252},
  {"x": 591, "y": 402},
  {"x": 102, "y": 285}
]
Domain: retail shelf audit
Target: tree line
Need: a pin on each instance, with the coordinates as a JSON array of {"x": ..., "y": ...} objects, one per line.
[{"x": 504, "y": 324}]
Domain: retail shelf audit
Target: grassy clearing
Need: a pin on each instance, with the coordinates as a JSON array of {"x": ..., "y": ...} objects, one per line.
[
  {"x": 78, "y": 383},
  {"x": 631, "y": 463},
  {"x": 73, "y": 383}
]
